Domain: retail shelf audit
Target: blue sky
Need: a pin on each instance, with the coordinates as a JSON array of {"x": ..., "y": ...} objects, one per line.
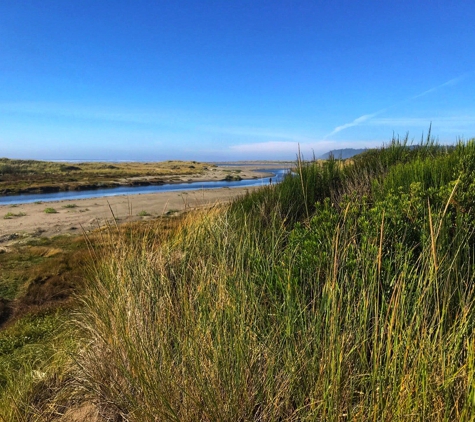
[{"x": 230, "y": 80}]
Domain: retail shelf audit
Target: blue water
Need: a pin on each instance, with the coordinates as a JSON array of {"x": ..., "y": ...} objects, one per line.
[{"x": 277, "y": 176}]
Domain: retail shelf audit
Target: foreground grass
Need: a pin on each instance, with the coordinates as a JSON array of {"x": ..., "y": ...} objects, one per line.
[
  {"x": 345, "y": 293},
  {"x": 40, "y": 282},
  {"x": 34, "y": 352},
  {"x": 41, "y": 270},
  {"x": 220, "y": 327},
  {"x": 38, "y": 279}
]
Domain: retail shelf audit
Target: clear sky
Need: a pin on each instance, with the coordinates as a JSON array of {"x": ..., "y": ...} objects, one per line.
[{"x": 228, "y": 79}]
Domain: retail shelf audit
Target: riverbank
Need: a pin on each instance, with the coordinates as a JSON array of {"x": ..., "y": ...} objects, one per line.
[
  {"x": 20, "y": 222},
  {"x": 33, "y": 177},
  {"x": 46, "y": 219}
]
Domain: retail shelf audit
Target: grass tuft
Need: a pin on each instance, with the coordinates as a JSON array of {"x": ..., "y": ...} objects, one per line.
[{"x": 9, "y": 215}]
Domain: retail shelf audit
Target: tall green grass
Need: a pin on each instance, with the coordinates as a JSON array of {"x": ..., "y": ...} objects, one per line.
[
  {"x": 219, "y": 327},
  {"x": 364, "y": 311},
  {"x": 344, "y": 293}
]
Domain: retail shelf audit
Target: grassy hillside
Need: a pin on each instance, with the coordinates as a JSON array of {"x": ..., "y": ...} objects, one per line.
[{"x": 344, "y": 293}]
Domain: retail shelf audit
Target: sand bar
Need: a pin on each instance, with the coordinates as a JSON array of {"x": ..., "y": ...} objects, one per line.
[
  {"x": 71, "y": 215},
  {"x": 26, "y": 220}
]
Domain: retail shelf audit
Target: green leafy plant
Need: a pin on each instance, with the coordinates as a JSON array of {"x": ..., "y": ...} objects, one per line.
[{"x": 50, "y": 210}]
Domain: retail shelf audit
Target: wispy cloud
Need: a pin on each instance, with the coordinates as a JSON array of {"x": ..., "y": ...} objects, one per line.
[
  {"x": 448, "y": 122},
  {"x": 355, "y": 122},
  {"x": 451, "y": 82},
  {"x": 366, "y": 118}
]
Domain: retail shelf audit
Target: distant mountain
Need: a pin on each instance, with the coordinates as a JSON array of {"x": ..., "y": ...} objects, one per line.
[{"x": 341, "y": 154}]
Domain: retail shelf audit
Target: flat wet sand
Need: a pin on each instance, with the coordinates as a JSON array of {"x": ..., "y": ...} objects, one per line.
[{"x": 92, "y": 213}]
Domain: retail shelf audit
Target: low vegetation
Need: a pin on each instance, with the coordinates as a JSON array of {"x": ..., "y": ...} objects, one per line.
[
  {"x": 37, "y": 282},
  {"x": 9, "y": 215},
  {"x": 30, "y": 176},
  {"x": 343, "y": 293}
]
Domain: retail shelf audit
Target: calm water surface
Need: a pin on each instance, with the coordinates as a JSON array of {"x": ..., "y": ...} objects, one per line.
[{"x": 277, "y": 176}]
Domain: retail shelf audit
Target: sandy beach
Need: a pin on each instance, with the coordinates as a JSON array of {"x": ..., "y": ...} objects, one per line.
[
  {"x": 22, "y": 221},
  {"x": 95, "y": 212}
]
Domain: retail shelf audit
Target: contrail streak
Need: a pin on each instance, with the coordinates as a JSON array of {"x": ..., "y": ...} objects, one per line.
[
  {"x": 355, "y": 122},
  {"x": 367, "y": 117}
]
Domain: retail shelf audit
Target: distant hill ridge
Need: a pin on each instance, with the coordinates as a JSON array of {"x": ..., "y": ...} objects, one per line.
[{"x": 342, "y": 154}]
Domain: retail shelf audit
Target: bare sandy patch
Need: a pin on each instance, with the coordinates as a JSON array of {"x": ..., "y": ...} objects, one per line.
[{"x": 71, "y": 216}]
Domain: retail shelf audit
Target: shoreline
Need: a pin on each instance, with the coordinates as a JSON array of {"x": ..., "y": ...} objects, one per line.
[
  {"x": 90, "y": 181},
  {"x": 20, "y": 222},
  {"x": 218, "y": 174},
  {"x": 70, "y": 217}
]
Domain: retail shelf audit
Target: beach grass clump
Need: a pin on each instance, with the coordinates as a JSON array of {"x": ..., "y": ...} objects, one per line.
[
  {"x": 9, "y": 215},
  {"x": 70, "y": 206},
  {"x": 219, "y": 326},
  {"x": 143, "y": 213},
  {"x": 344, "y": 293},
  {"x": 50, "y": 210},
  {"x": 353, "y": 307}
]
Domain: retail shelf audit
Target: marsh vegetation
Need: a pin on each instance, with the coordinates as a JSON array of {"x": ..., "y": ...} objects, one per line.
[{"x": 31, "y": 176}]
